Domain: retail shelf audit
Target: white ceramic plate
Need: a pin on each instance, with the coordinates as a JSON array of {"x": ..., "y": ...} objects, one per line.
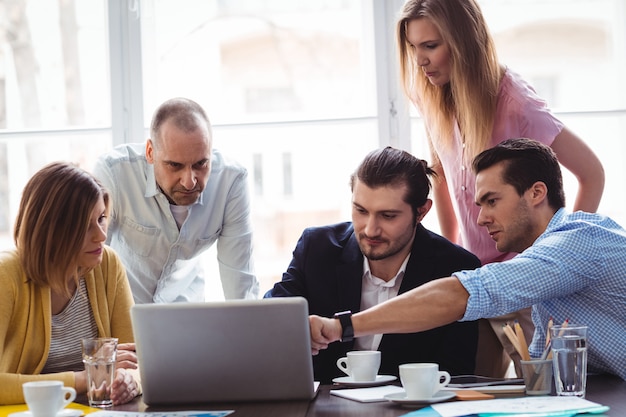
[
  {"x": 66, "y": 412},
  {"x": 380, "y": 380},
  {"x": 400, "y": 398}
]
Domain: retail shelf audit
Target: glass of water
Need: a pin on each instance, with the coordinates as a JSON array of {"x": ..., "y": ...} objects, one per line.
[
  {"x": 569, "y": 349},
  {"x": 99, "y": 356}
]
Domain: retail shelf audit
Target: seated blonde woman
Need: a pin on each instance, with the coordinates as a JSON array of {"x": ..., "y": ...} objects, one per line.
[{"x": 61, "y": 284}]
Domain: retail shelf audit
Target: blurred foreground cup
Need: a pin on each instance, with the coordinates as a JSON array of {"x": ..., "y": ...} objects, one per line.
[{"x": 47, "y": 398}]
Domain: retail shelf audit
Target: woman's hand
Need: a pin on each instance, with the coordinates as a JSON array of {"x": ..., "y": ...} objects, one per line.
[
  {"x": 80, "y": 382},
  {"x": 126, "y": 356},
  {"x": 124, "y": 387}
]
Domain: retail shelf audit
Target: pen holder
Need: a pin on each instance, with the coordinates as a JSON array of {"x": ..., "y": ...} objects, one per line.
[{"x": 537, "y": 376}]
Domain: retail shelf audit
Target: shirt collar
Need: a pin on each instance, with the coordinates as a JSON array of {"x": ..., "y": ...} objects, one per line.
[
  {"x": 152, "y": 188},
  {"x": 367, "y": 273}
]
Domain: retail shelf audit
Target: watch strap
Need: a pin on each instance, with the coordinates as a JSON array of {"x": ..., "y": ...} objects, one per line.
[{"x": 347, "y": 331}]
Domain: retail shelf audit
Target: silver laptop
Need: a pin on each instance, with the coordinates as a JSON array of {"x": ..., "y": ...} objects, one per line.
[{"x": 240, "y": 350}]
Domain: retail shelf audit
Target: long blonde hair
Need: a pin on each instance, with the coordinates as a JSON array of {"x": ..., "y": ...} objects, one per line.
[{"x": 470, "y": 97}]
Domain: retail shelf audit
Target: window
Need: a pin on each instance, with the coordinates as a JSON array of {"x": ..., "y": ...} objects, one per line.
[
  {"x": 297, "y": 91},
  {"x": 55, "y": 95}
]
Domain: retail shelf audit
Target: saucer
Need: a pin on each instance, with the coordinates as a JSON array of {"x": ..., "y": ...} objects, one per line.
[
  {"x": 66, "y": 412},
  {"x": 380, "y": 380},
  {"x": 400, "y": 398}
]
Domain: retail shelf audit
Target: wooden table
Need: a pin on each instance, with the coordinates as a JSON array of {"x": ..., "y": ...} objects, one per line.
[{"x": 603, "y": 389}]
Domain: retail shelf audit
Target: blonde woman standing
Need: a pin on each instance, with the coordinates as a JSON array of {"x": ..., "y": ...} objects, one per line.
[{"x": 471, "y": 102}]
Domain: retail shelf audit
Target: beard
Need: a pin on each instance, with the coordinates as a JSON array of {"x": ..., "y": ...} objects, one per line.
[
  {"x": 183, "y": 197},
  {"x": 518, "y": 235},
  {"x": 385, "y": 248}
]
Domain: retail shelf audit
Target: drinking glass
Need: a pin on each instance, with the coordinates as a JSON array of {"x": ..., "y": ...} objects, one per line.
[
  {"x": 569, "y": 349},
  {"x": 99, "y": 356}
]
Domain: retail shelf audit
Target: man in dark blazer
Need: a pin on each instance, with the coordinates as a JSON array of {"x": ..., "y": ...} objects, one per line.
[{"x": 383, "y": 252}]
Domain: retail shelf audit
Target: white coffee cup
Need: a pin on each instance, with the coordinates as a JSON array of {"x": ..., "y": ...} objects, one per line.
[
  {"x": 47, "y": 398},
  {"x": 422, "y": 381},
  {"x": 360, "y": 365}
]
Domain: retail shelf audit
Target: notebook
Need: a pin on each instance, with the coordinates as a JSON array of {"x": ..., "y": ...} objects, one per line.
[{"x": 228, "y": 351}]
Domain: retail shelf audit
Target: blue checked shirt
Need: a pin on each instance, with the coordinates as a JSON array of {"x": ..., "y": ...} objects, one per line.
[{"x": 575, "y": 270}]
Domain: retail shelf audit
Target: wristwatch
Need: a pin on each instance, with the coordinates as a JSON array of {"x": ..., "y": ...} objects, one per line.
[{"x": 347, "y": 331}]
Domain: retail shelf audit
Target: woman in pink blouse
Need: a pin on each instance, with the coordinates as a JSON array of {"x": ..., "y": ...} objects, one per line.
[{"x": 471, "y": 102}]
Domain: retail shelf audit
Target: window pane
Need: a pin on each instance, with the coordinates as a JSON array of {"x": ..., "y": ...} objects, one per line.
[
  {"x": 54, "y": 91},
  {"x": 573, "y": 52},
  {"x": 53, "y": 64},
  {"x": 260, "y": 60}
]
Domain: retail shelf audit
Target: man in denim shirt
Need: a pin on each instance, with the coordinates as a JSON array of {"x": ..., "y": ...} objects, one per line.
[
  {"x": 172, "y": 199},
  {"x": 569, "y": 265}
]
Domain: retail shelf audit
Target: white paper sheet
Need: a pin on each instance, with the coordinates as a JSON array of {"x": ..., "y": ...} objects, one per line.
[
  {"x": 367, "y": 395},
  {"x": 542, "y": 404}
]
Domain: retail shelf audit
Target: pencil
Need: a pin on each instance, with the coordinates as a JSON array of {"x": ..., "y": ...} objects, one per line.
[
  {"x": 563, "y": 327},
  {"x": 550, "y": 324},
  {"x": 547, "y": 352},
  {"x": 522, "y": 341},
  {"x": 510, "y": 333}
]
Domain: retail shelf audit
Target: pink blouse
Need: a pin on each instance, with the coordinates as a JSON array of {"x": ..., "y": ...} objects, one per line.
[{"x": 519, "y": 113}]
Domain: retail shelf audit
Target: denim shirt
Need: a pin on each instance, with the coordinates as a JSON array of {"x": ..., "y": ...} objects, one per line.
[
  {"x": 575, "y": 270},
  {"x": 162, "y": 262}
]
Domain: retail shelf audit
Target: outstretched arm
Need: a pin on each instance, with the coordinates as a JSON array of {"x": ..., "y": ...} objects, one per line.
[{"x": 433, "y": 304}]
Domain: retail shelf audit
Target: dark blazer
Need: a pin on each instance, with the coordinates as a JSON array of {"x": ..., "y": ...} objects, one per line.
[{"x": 327, "y": 270}]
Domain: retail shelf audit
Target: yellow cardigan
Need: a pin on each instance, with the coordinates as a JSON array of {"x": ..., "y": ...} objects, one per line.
[{"x": 25, "y": 320}]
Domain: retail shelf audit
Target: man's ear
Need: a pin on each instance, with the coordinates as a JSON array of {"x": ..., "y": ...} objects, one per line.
[
  {"x": 538, "y": 193},
  {"x": 149, "y": 151},
  {"x": 423, "y": 210}
]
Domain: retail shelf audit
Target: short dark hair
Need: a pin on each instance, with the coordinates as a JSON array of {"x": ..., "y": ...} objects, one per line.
[
  {"x": 391, "y": 166},
  {"x": 526, "y": 161}
]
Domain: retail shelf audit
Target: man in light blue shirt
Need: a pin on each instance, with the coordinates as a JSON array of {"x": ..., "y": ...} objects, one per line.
[
  {"x": 570, "y": 266},
  {"x": 172, "y": 199}
]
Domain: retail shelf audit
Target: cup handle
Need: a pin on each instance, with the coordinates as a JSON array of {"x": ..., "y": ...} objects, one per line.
[
  {"x": 446, "y": 380},
  {"x": 66, "y": 400},
  {"x": 342, "y": 364}
]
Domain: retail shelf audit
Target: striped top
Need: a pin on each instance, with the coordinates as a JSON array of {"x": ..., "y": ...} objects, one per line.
[{"x": 75, "y": 322}]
